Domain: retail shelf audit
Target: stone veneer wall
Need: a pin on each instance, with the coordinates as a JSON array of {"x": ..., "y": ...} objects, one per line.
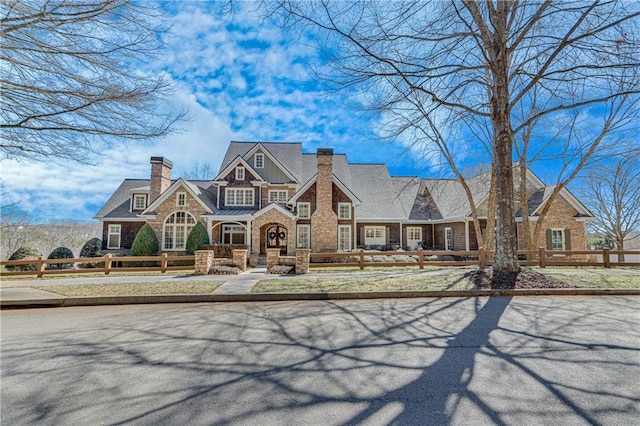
[
  {"x": 272, "y": 216},
  {"x": 160, "y": 177},
  {"x": 169, "y": 207},
  {"x": 324, "y": 221}
]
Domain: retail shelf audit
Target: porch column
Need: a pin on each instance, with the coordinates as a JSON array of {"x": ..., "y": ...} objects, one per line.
[
  {"x": 401, "y": 244},
  {"x": 466, "y": 235},
  {"x": 248, "y": 236},
  {"x": 209, "y": 230}
]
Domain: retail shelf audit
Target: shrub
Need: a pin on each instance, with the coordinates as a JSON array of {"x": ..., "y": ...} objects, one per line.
[
  {"x": 60, "y": 253},
  {"x": 23, "y": 253},
  {"x": 145, "y": 243},
  {"x": 197, "y": 238},
  {"x": 91, "y": 249}
]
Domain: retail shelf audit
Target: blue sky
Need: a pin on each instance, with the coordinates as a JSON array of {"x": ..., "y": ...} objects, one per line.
[{"x": 241, "y": 79}]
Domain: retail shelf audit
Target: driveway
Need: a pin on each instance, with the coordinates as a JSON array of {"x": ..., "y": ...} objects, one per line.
[{"x": 499, "y": 360}]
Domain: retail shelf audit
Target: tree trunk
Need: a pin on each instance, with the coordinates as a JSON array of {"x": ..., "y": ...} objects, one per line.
[{"x": 506, "y": 257}]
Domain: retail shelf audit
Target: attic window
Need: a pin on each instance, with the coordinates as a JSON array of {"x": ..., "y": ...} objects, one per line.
[
  {"x": 181, "y": 199},
  {"x": 258, "y": 161},
  {"x": 239, "y": 173},
  {"x": 278, "y": 196},
  {"x": 139, "y": 201}
]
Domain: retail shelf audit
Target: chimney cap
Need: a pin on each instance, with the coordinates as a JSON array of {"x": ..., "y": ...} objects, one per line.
[
  {"x": 325, "y": 151},
  {"x": 162, "y": 160}
]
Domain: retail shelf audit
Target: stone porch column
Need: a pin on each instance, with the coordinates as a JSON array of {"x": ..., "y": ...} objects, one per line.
[
  {"x": 204, "y": 260},
  {"x": 302, "y": 261}
]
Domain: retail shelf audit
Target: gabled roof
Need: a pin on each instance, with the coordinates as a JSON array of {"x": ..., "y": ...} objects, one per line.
[
  {"x": 353, "y": 197},
  {"x": 285, "y": 155},
  {"x": 233, "y": 164},
  {"x": 118, "y": 206},
  {"x": 202, "y": 196}
]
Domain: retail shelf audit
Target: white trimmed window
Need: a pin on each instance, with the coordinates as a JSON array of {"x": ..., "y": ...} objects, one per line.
[
  {"x": 233, "y": 234},
  {"x": 176, "y": 230},
  {"x": 278, "y": 196},
  {"x": 344, "y": 210},
  {"x": 181, "y": 199},
  {"x": 258, "y": 161},
  {"x": 139, "y": 201},
  {"x": 375, "y": 235},
  {"x": 240, "y": 173},
  {"x": 303, "y": 236},
  {"x": 344, "y": 237},
  {"x": 448, "y": 239},
  {"x": 557, "y": 239},
  {"x": 238, "y": 197},
  {"x": 304, "y": 210},
  {"x": 113, "y": 237},
  {"x": 414, "y": 233}
]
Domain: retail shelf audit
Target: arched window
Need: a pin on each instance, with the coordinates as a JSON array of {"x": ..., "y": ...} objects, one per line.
[{"x": 176, "y": 230}]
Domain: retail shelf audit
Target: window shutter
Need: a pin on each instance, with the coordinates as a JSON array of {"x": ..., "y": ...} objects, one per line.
[
  {"x": 549, "y": 246},
  {"x": 387, "y": 236},
  {"x": 453, "y": 244},
  {"x": 567, "y": 239},
  {"x": 362, "y": 235}
]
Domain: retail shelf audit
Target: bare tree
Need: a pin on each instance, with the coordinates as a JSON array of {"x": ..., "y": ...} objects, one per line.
[
  {"x": 200, "y": 170},
  {"x": 430, "y": 62},
  {"x": 613, "y": 194},
  {"x": 73, "y": 75}
]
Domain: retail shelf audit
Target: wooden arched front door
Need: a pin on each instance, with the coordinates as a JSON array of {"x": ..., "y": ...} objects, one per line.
[{"x": 276, "y": 237}]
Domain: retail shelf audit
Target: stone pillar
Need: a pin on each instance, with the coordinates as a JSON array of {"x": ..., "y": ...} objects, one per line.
[
  {"x": 302, "y": 261},
  {"x": 240, "y": 259},
  {"x": 253, "y": 260},
  {"x": 204, "y": 259},
  {"x": 272, "y": 257}
]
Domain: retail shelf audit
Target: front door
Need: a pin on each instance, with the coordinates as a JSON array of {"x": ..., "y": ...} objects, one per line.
[{"x": 277, "y": 238}]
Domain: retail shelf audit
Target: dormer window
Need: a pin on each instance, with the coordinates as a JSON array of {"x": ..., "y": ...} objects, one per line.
[
  {"x": 239, "y": 173},
  {"x": 181, "y": 199},
  {"x": 139, "y": 201},
  {"x": 258, "y": 161}
]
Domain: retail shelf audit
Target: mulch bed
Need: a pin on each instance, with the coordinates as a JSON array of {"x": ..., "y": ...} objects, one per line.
[
  {"x": 280, "y": 270},
  {"x": 526, "y": 278}
]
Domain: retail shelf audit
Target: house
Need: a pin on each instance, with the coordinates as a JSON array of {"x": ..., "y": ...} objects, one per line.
[{"x": 273, "y": 195}]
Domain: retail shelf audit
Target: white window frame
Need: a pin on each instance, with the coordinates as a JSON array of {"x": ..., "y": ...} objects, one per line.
[
  {"x": 134, "y": 202},
  {"x": 448, "y": 239},
  {"x": 258, "y": 164},
  {"x": 411, "y": 230},
  {"x": 110, "y": 233},
  {"x": 179, "y": 231},
  {"x": 308, "y": 206},
  {"x": 240, "y": 173},
  {"x": 300, "y": 243},
  {"x": 375, "y": 235},
  {"x": 341, "y": 243},
  {"x": 563, "y": 236},
  {"x": 244, "y": 198},
  {"x": 231, "y": 229},
  {"x": 181, "y": 199},
  {"x": 275, "y": 195},
  {"x": 348, "y": 211}
]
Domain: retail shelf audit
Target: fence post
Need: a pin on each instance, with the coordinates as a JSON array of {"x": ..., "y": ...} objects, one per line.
[
  {"x": 40, "y": 267},
  {"x": 606, "y": 259},
  {"x": 480, "y": 257},
  {"x": 542, "y": 257},
  {"x": 420, "y": 258},
  {"x": 361, "y": 260},
  {"x": 163, "y": 263},
  {"x": 107, "y": 263}
]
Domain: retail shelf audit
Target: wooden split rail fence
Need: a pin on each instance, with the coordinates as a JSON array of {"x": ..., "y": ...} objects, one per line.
[
  {"x": 109, "y": 263},
  {"x": 541, "y": 258}
]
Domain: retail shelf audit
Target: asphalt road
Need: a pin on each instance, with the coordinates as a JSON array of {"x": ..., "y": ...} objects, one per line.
[{"x": 522, "y": 360}]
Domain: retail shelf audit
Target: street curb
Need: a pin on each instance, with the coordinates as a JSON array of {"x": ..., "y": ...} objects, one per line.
[{"x": 283, "y": 297}]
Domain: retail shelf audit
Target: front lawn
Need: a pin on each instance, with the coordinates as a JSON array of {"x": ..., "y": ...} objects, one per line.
[{"x": 130, "y": 289}]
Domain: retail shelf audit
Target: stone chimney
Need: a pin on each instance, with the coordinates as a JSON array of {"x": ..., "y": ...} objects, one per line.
[
  {"x": 160, "y": 177},
  {"x": 324, "y": 221}
]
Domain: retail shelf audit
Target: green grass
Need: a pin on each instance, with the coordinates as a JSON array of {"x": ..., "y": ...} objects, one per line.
[
  {"x": 127, "y": 289},
  {"x": 408, "y": 281}
]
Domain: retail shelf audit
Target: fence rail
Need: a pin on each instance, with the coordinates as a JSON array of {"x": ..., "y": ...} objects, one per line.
[
  {"x": 109, "y": 263},
  {"x": 420, "y": 258}
]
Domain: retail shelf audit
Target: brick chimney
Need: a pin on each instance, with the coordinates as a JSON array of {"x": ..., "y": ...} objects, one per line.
[
  {"x": 160, "y": 177},
  {"x": 324, "y": 221}
]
